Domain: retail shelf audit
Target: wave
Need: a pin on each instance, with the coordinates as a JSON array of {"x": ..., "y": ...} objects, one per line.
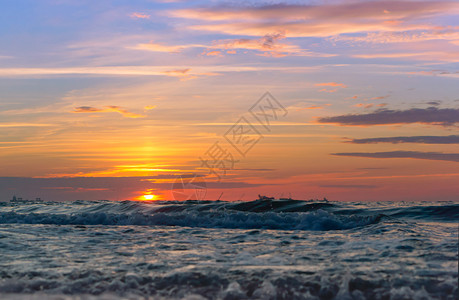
[
  {"x": 259, "y": 214},
  {"x": 320, "y": 220}
]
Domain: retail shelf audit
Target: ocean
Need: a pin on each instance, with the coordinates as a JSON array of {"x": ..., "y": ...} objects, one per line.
[{"x": 263, "y": 249}]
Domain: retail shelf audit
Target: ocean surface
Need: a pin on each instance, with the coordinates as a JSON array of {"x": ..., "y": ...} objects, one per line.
[{"x": 264, "y": 249}]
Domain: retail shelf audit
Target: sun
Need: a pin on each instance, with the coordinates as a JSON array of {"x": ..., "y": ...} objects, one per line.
[{"x": 149, "y": 197}]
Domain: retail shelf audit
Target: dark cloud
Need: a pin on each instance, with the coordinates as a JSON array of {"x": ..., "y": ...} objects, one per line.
[
  {"x": 405, "y": 154},
  {"x": 350, "y": 186},
  {"x": 431, "y": 115},
  {"x": 449, "y": 139}
]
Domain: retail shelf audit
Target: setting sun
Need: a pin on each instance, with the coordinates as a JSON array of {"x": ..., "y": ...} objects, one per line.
[{"x": 149, "y": 197}]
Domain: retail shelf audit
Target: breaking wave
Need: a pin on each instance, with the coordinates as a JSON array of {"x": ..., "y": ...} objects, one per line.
[{"x": 259, "y": 214}]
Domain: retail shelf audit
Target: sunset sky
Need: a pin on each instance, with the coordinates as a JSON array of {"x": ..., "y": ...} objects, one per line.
[{"x": 115, "y": 99}]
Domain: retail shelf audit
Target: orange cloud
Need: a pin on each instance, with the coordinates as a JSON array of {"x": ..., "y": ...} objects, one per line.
[
  {"x": 180, "y": 72},
  {"x": 328, "y": 91},
  {"x": 113, "y": 108},
  {"x": 342, "y": 85},
  {"x": 159, "y": 47},
  {"x": 380, "y": 97},
  {"x": 364, "y": 105},
  {"x": 310, "y": 107},
  {"x": 212, "y": 53},
  {"x": 137, "y": 15}
]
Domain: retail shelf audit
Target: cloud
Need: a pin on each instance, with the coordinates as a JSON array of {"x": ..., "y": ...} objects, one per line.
[
  {"x": 450, "y": 139},
  {"x": 448, "y": 33},
  {"x": 16, "y": 124},
  {"x": 328, "y": 91},
  {"x": 310, "y": 107},
  {"x": 110, "y": 71},
  {"x": 405, "y": 154},
  {"x": 212, "y": 53},
  {"x": 364, "y": 105},
  {"x": 342, "y": 85},
  {"x": 89, "y": 109},
  {"x": 184, "y": 74},
  {"x": 431, "y": 115},
  {"x": 331, "y": 84},
  {"x": 348, "y": 186},
  {"x": 324, "y": 20},
  {"x": 155, "y": 47},
  {"x": 449, "y": 56},
  {"x": 380, "y": 97},
  {"x": 137, "y": 15},
  {"x": 178, "y": 72},
  {"x": 436, "y": 73},
  {"x": 269, "y": 45},
  {"x": 306, "y": 106}
]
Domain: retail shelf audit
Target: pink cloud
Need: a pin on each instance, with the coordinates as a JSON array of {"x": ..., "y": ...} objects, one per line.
[
  {"x": 137, "y": 15},
  {"x": 450, "y": 56},
  {"x": 342, "y": 85},
  {"x": 113, "y": 108},
  {"x": 269, "y": 45},
  {"x": 319, "y": 20},
  {"x": 212, "y": 53},
  {"x": 155, "y": 47},
  {"x": 380, "y": 97}
]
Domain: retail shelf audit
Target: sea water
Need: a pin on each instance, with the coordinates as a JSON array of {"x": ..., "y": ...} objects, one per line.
[{"x": 264, "y": 249}]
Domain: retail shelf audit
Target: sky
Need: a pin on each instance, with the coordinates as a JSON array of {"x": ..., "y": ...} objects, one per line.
[{"x": 161, "y": 100}]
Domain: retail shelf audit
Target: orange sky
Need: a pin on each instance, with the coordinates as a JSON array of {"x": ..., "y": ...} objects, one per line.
[{"x": 105, "y": 101}]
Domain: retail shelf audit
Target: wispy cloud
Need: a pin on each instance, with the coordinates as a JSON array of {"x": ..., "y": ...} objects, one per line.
[
  {"x": 330, "y": 84},
  {"x": 342, "y": 85},
  {"x": 449, "y": 139},
  {"x": 158, "y": 47},
  {"x": 364, "y": 105},
  {"x": 431, "y": 115},
  {"x": 405, "y": 154},
  {"x": 448, "y": 33},
  {"x": 138, "y": 15},
  {"x": 380, "y": 97},
  {"x": 348, "y": 186},
  {"x": 16, "y": 124},
  {"x": 212, "y": 53},
  {"x": 105, "y": 71},
  {"x": 318, "y": 20},
  {"x": 269, "y": 45},
  {"x": 450, "y": 56},
  {"x": 122, "y": 111}
]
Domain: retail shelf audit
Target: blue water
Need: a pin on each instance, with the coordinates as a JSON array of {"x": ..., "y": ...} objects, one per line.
[{"x": 270, "y": 249}]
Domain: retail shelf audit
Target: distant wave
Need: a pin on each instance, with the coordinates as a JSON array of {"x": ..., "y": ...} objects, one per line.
[{"x": 259, "y": 214}]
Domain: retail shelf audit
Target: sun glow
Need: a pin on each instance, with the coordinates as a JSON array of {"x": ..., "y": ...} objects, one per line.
[{"x": 149, "y": 197}]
